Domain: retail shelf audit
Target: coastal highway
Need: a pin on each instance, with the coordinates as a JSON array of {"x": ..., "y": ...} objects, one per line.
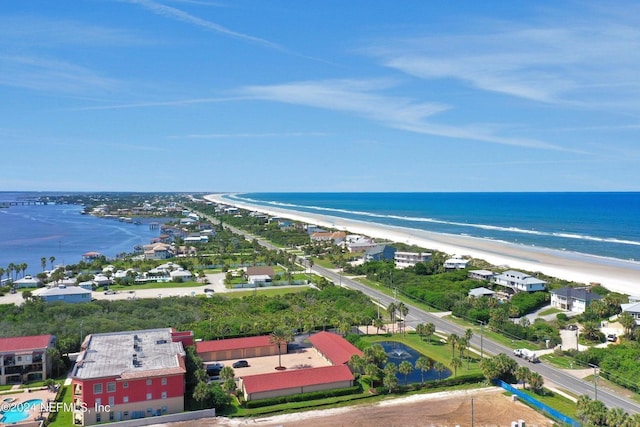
[
  {"x": 560, "y": 378},
  {"x": 551, "y": 374}
]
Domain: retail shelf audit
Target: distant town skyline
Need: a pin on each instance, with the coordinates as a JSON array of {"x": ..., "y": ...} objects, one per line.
[{"x": 278, "y": 96}]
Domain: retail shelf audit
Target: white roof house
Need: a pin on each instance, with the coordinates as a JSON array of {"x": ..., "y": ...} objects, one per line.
[
  {"x": 181, "y": 274},
  {"x": 28, "y": 282},
  {"x": 633, "y": 309},
  {"x": 409, "y": 259},
  {"x": 481, "y": 292},
  {"x": 519, "y": 281},
  {"x": 456, "y": 263}
]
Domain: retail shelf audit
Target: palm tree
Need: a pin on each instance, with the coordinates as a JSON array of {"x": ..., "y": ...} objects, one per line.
[
  {"x": 424, "y": 364},
  {"x": 11, "y": 267},
  {"x": 391, "y": 311},
  {"x": 278, "y": 337},
  {"x": 468, "y": 334},
  {"x": 357, "y": 363},
  {"x": 227, "y": 375},
  {"x": 439, "y": 368},
  {"x": 536, "y": 381},
  {"x": 628, "y": 322},
  {"x": 522, "y": 375},
  {"x": 43, "y": 263},
  {"x": 390, "y": 381},
  {"x": 1, "y": 273},
  {"x": 429, "y": 329},
  {"x": 455, "y": 364},
  {"x": 378, "y": 323},
  {"x": 403, "y": 310},
  {"x": 51, "y": 259},
  {"x": 405, "y": 369},
  {"x": 454, "y": 339},
  {"x": 23, "y": 268},
  {"x": 372, "y": 371}
]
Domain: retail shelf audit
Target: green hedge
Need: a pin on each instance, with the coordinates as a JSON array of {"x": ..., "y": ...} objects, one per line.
[{"x": 303, "y": 397}]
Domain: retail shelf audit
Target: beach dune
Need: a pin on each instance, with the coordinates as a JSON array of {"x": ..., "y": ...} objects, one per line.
[{"x": 616, "y": 275}]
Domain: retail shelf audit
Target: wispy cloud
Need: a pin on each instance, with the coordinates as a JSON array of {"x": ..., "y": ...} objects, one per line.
[
  {"x": 152, "y": 104},
  {"x": 362, "y": 98},
  {"x": 51, "y": 75},
  {"x": 180, "y": 15},
  {"x": 252, "y": 135},
  {"x": 586, "y": 65}
]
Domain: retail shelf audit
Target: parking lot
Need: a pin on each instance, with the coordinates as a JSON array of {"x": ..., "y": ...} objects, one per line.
[{"x": 298, "y": 358}]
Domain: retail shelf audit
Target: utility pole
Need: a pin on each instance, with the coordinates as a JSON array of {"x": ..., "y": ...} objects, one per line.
[
  {"x": 595, "y": 381},
  {"x": 481, "y": 340},
  {"x": 472, "y": 415}
]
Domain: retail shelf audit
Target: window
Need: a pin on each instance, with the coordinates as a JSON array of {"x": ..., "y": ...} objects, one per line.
[
  {"x": 98, "y": 402},
  {"x": 112, "y": 400},
  {"x": 164, "y": 394},
  {"x": 111, "y": 416},
  {"x": 149, "y": 382},
  {"x": 111, "y": 387},
  {"x": 149, "y": 396},
  {"x": 164, "y": 381},
  {"x": 98, "y": 417},
  {"x": 97, "y": 388},
  {"x": 125, "y": 385},
  {"x": 125, "y": 399}
]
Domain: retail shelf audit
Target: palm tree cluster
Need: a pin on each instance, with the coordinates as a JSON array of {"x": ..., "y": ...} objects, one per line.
[
  {"x": 594, "y": 413},
  {"x": 393, "y": 310}
]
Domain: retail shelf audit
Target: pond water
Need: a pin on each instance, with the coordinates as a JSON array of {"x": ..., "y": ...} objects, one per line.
[{"x": 398, "y": 352}]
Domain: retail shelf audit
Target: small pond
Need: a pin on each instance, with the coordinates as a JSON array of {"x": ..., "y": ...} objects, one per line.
[{"x": 398, "y": 353}]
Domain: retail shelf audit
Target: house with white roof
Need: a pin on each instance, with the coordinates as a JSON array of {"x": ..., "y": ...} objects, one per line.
[
  {"x": 481, "y": 275},
  {"x": 68, "y": 294},
  {"x": 633, "y": 308},
  {"x": 456, "y": 263},
  {"x": 181, "y": 274},
  {"x": 481, "y": 292},
  {"x": 27, "y": 282},
  {"x": 518, "y": 281},
  {"x": 409, "y": 259}
]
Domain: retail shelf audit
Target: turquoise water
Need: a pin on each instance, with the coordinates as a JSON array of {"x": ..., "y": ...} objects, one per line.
[{"x": 19, "y": 411}]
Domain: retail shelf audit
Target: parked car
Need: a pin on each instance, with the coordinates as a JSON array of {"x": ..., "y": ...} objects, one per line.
[
  {"x": 572, "y": 327},
  {"x": 612, "y": 338},
  {"x": 241, "y": 364},
  {"x": 110, "y": 292},
  {"x": 208, "y": 291}
]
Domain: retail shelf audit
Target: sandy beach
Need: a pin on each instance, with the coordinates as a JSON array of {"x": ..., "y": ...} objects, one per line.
[{"x": 616, "y": 275}]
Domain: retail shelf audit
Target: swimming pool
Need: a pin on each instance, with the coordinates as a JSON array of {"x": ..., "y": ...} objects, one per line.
[{"x": 19, "y": 411}]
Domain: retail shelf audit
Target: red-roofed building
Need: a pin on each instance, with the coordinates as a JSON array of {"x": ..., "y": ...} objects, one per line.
[
  {"x": 238, "y": 348},
  {"x": 25, "y": 359},
  {"x": 128, "y": 375},
  {"x": 333, "y": 347},
  {"x": 285, "y": 383}
]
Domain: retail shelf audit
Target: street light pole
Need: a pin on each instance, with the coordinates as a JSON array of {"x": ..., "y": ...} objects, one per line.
[
  {"x": 595, "y": 381},
  {"x": 481, "y": 339}
]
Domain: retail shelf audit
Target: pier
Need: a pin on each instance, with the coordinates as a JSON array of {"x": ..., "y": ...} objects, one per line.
[{"x": 21, "y": 203}]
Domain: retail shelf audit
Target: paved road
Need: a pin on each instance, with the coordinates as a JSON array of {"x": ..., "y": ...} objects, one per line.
[{"x": 549, "y": 373}]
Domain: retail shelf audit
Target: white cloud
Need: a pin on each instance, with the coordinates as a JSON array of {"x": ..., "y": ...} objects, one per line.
[
  {"x": 588, "y": 64},
  {"x": 360, "y": 97},
  {"x": 180, "y": 15}
]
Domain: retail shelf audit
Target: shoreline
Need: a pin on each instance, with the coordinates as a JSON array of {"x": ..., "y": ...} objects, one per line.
[{"x": 616, "y": 275}]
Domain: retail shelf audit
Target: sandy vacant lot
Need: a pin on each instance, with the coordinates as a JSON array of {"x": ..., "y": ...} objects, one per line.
[{"x": 490, "y": 407}]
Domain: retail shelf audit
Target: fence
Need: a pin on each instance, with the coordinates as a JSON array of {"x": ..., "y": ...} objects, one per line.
[{"x": 553, "y": 413}]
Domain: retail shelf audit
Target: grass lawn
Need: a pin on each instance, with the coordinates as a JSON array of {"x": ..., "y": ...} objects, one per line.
[
  {"x": 550, "y": 311},
  {"x": 65, "y": 418},
  {"x": 554, "y": 400},
  {"x": 269, "y": 292},
  {"x": 153, "y": 285},
  {"x": 435, "y": 349}
]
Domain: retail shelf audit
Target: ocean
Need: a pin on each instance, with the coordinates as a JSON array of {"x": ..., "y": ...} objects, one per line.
[
  {"x": 601, "y": 224},
  {"x": 28, "y": 233}
]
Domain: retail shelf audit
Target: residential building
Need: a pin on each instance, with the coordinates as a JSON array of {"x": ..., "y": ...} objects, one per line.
[
  {"x": 455, "y": 263},
  {"x": 517, "y": 281},
  {"x": 481, "y": 292},
  {"x": 296, "y": 381},
  {"x": 68, "y": 294},
  {"x": 573, "y": 299},
  {"x": 24, "y": 359},
  {"x": 260, "y": 274},
  {"x": 181, "y": 274},
  {"x": 380, "y": 253},
  {"x": 633, "y": 308},
  {"x": 335, "y": 237},
  {"x": 357, "y": 243},
  {"x": 27, "y": 282},
  {"x": 481, "y": 275},
  {"x": 409, "y": 259},
  {"x": 157, "y": 251},
  {"x": 238, "y": 348},
  {"x": 129, "y": 375}
]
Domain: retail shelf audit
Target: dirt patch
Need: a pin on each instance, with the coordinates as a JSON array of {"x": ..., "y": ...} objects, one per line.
[{"x": 490, "y": 408}]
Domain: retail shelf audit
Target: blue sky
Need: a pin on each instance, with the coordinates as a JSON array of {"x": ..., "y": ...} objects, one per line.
[{"x": 332, "y": 95}]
